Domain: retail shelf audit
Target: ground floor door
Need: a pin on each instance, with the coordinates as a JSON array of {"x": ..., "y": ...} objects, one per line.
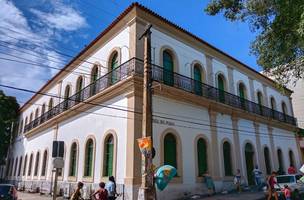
[{"x": 249, "y": 157}]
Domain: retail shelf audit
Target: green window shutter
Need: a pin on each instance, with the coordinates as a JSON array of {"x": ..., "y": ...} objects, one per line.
[
  {"x": 267, "y": 160},
  {"x": 197, "y": 80},
  {"x": 109, "y": 151},
  {"x": 242, "y": 94},
  {"x": 221, "y": 87},
  {"x": 168, "y": 75},
  {"x": 89, "y": 158},
  {"x": 227, "y": 159},
  {"x": 201, "y": 157},
  {"x": 114, "y": 65},
  {"x": 73, "y": 160},
  {"x": 170, "y": 150}
]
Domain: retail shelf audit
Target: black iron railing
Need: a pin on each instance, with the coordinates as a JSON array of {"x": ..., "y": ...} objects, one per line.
[
  {"x": 170, "y": 78},
  {"x": 159, "y": 74},
  {"x": 129, "y": 68}
]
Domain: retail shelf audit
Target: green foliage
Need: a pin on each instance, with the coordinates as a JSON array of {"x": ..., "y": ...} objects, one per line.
[
  {"x": 8, "y": 114},
  {"x": 279, "y": 45}
]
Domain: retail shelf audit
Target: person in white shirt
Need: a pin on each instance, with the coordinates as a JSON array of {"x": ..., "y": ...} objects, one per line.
[
  {"x": 257, "y": 177},
  {"x": 111, "y": 188}
]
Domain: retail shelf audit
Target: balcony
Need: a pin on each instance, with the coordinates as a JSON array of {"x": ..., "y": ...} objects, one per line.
[
  {"x": 125, "y": 70},
  {"x": 134, "y": 66},
  {"x": 176, "y": 80}
]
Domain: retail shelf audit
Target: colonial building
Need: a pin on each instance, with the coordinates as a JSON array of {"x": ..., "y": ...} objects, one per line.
[{"x": 211, "y": 113}]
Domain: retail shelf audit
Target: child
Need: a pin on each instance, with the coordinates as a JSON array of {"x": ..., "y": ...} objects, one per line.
[
  {"x": 287, "y": 192},
  {"x": 101, "y": 193},
  {"x": 77, "y": 194},
  {"x": 209, "y": 184}
]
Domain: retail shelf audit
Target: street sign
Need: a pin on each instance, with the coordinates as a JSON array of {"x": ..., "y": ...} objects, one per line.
[
  {"x": 58, "y": 149},
  {"x": 58, "y": 163}
]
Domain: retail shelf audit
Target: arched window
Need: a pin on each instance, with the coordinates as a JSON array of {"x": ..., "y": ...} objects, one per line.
[
  {"x": 291, "y": 159},
  {"x": 114, "y": 64},
  {"x": 242, "y": 94},
  {"x": 16, "y": 165},
  {"x": 267, "y": 160},
  {"x": 170, "y": 151},
  {"x": 21, "y": 127},
  {"x": 197, "y": 74},
  {"x": 67, "y": 94},
  {"x": 108, "y": 156},
  {"x": 20, "y": 166},
  {"x": 221, "y": 87},
  {"x": 281, "y": 163},
  {"x": 29, "y": 171},
  {"x": 73, "y": 160},
  {"x": 51, "y": 104},
  {"x": 273, "y": 103},
  {"x": 202, "y": 157},
  {"x": 37, "y": 164},
  {"x": 260, "y": 100},
  {"x": 88, "y": 165},
  {"x": 284, "y": 110},
  {"x": 31, "y": 117},
  {"x": 43, "y": 109},
  {"x": 79, "y": 86},
  {"x": 168, "y": 73},
  {"x": 25, "y": 165},
  {"x": 227, "y": 159},
  {"x": 44, "y": 163},
  {"x": 94, "y": 76},
  {"x": 37, "y": 113},
  {"x": 25, "y": 123}
]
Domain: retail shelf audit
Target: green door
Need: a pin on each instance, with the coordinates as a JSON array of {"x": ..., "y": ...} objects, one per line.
[
  {"x": 201, "y": 157},
  {"x": 170, "y": 150},
  {"x": 221, "y": 87},
  {"x": 197, "y": 81},
  {"x": 168, "y": 75},
  {"x": 109, "y": 157},
  {"x": 114, "y": 71},
  {"x": 249, "y": 156},
  {"x": 242, "y": 95}
]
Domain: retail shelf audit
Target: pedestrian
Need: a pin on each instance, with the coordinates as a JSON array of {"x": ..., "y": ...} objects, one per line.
[
  {"x": 101, "y": 193},
  {"x": 237, "y": 180},
  {"x": 291, "y": 169},
  {"x": 111, "y": 188},
  {"x": 77, "y": 194},
  {"x": 287, "y": 192},
  {"x": 209, "y": 183},
  {"x": 257, "y": 177},
  {"x": 271, "y": 181}
]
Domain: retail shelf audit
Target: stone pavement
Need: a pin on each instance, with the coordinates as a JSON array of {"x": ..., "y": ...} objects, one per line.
[
  {"x": 31, "y": 196},
  {"x": 231, "y": 196}
]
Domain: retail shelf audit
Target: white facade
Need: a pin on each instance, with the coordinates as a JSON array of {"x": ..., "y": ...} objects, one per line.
[{"x": 187, "y": 117}]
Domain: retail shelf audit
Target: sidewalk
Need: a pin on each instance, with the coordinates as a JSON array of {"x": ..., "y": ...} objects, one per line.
[{"x": 232, "y": 196}]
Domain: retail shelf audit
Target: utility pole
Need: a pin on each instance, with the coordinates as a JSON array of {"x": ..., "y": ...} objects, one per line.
[{"x": 147, "y": 189}]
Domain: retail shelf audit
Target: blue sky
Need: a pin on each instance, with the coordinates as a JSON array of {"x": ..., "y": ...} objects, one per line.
[{"x": 40, "y": 30}]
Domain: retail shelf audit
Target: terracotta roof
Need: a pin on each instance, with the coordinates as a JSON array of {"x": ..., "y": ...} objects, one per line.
[{"x": 120, "y": 17}]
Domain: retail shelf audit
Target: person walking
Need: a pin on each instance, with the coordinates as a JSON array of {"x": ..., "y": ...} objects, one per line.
[
  {"x": 271, "y": 181},
  {"x": 101, "y": 193},
  {"x": 209, "y": 183},
  {"x": 291, "y": 169},
  {"x": 237, "y": 180},
  {"x": 111, "y": 188},
  {"x": 77, "y": 194},
  {"x": 257, "y": 177},
  {"x": 287, "y": 192}
]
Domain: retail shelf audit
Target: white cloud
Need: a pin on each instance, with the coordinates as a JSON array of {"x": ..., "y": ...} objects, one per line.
[
  {"x": 63, "y": 17},
  {"x": 15, "y": 30}
]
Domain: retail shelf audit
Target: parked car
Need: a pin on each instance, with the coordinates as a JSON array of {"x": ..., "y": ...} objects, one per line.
[
  {"x": 293, "y": 182},
  {"x": 8, "y": 192}
]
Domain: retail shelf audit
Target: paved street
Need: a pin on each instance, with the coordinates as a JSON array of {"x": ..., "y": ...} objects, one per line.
[{"x": 235, "y": 196}]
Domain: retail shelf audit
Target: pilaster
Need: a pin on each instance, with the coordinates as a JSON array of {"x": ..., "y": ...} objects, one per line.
[
  {"x": 266, "y": 102},
  {"x": 236, "y": 141},
  {"x": 274, "y": 157},
  {"x": 260, "y": 156},
  {"x": 210, "y": 75},
  {"x": 215, "y": 168},
  {"x": 231, "y": 80}
]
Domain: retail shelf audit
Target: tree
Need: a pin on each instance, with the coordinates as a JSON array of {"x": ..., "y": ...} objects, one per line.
[
  {"x": 8, "y": 114},
  {"x": 279, "y": 45}
]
